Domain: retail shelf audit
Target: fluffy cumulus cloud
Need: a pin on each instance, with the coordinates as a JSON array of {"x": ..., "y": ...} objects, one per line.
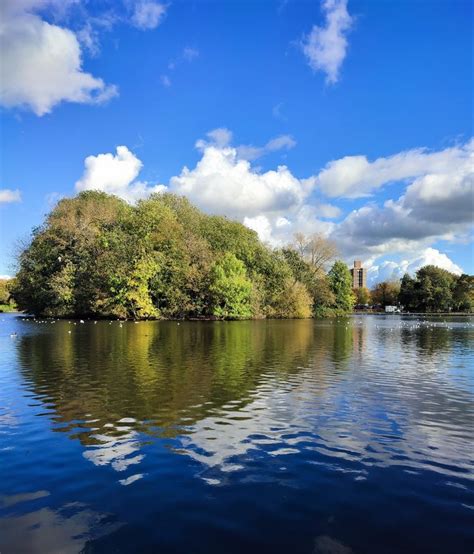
[
  {"x": 392, "y": 237},
  {"x": 42, "y": 63},
  {"x": 7, "y": 196},
  {"x": 446, "y": 195},
  {"x": 326, "y": 46},
  {"x": 116, "y": 174},
  {"x": 262, "y": 226},
  {"x": 438, "y": 204},
  {"x": 278, "y": 230},
  {"x": 389, "y": 270},
  {"x": 221, "y": 182},
  {"x": 355, "y": 176},
  {"x": 274, "y": 203}
]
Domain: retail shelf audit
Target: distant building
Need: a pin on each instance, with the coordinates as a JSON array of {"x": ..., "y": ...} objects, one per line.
[{"x": 359, "y": 275}]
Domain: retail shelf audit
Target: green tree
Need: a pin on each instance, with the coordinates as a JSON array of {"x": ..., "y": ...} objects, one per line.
[
  {"x": 463, "y": 293},
  {"x": 435, "y": 288},
  {"x": 341, "y": 286},
  {"x": 408, "y": 294},
  {"x": 230, "y": 290}
]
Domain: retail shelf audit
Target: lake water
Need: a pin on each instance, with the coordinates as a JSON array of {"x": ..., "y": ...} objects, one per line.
[{"x": 319, "y": 437}]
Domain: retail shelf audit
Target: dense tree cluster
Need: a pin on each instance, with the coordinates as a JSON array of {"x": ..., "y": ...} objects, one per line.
[
  {"x": 386, "y": 293},
  {"x": 436, "y": 290},
  {"x": 432, "y": 289},
  {"x": 96, "y": 255}
]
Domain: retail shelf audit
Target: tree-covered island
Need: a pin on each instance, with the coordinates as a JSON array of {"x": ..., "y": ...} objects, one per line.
[{"x": 98, "y": 256}]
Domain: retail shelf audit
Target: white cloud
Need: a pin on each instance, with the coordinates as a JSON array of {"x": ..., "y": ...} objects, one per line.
[
  {"x": 262, "y": 226},
  {"x": 355, "y": 176},
  {"x": 431, "y": 256},
  {"x": 8, "y": 196},
  {"x": 88, "y": 36},
  {"x": 389, "y": 270},
  {"x": 278, "y": 230},
  {"x": 42, "y": 65},
  {"x": 325, "y": 47},
  {"x": 115, "y": 174},
  {"x": 273, "y": 203},
  {"x": 437, "y": 205},
  {"x": 446, "y": 196},
  {"x": 148, "y": 14},
  {"x": 220, "y": 138},
  {"x": 276, "y": 204},
  {"x": 223, "y": 183},
  {"x": 328, "y": 211}
]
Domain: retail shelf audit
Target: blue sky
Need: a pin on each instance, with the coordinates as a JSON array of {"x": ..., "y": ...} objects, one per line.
[{"x": 352, "y": 119}]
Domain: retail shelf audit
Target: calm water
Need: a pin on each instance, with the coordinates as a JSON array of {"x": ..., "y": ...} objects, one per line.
[{"x": 353, "y": 436}]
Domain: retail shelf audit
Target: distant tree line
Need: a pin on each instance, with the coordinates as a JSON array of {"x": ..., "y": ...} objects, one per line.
[
  {"x": 97, "y": 256},
  {"x": 437, "y": 290},
  {"x": 432, "y": 289}
]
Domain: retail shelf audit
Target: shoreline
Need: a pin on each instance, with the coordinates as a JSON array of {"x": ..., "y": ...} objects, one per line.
[
  {"x": 88, "y": 319},
  {"x": 417, "y": 314}
]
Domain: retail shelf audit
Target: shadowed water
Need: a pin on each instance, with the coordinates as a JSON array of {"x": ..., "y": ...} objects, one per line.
[{"x": 320, "y": 437}]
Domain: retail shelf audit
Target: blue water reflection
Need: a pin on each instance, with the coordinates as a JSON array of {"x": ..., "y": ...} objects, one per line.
[{"x": 353, "y": 435}]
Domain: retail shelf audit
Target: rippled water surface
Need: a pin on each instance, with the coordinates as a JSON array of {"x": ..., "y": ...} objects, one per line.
[{"x": 333, "y": 437}]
